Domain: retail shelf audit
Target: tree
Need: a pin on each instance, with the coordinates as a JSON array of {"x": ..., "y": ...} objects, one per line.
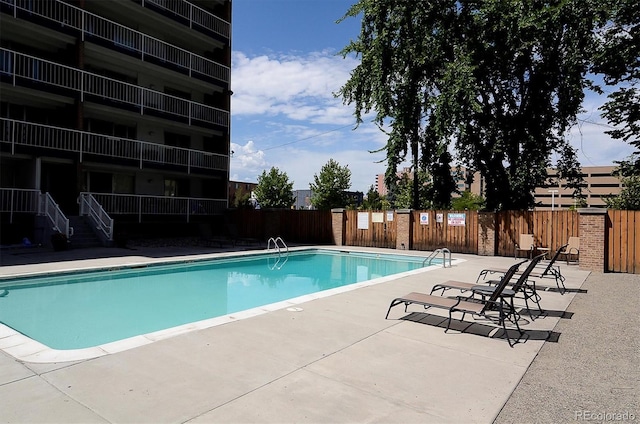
[
  {"x": 373, "y": 200},
  {"x": 274, "y": 190},
  {"x": 405, "y": 191},
  {"x": 468, "y": 201},
  {"x": 617, "y": 59},
  {"x": 330, "y": 185},
  {"x": 629, "y": 197},
  {"x": 502, "y": 81},
  {"x": 242, "y": 199}
]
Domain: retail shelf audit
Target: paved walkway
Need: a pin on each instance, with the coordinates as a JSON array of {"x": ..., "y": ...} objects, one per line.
[
  {"x": 338, "y": 360},
  {"x": 593, "y": 373}
]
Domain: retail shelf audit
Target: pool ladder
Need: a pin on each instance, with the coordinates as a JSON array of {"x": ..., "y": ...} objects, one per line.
[
  {"x": 435, "y": 253},
  {"x": 277, "y": 244}
]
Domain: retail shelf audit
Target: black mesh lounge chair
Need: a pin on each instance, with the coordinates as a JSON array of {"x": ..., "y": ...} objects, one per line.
[
  {"x": 482, "y": 307},
  {"x": 521, "y": 285},
  {"x": 543, "y": 270},
  {"x": 459, "y": 285}
]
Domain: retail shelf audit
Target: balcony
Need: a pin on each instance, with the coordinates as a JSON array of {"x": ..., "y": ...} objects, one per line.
[
  {"x": 20, "y": 69},
  {"x": 142, "y": 205},
  {"x": 196, "y": 17},
  {"x": 119, "y": 37},
  {"x": 142, "y": 154}
]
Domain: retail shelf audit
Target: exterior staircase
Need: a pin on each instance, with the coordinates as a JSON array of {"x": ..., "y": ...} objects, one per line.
[{"x": 83, "y": 234}]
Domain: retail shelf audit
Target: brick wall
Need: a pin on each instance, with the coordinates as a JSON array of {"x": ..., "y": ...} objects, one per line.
[
  {"x": 592, "y": 247},
  {"x": 337, "y": 226},
  {"x": 403, "y": 229}
]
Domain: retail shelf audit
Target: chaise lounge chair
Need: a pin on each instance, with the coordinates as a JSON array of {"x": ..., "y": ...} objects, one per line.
[
  {"x": 498, "y": 300},
  {"x": 549, "y": 271}
]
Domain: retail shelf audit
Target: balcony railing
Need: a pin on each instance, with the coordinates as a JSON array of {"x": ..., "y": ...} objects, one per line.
[
  {"x": 193, "y": 14},
  {"x": 21, "y": 133},
  {"x": 141, "y": 205},
  {"x": 18, "y": 65},
  {"x": 31, "y": 201},
  {"x": 121, "y": 36}
]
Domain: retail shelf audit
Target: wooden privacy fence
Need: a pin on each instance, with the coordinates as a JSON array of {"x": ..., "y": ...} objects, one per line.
[
  {"x": 370, "y": 228},
  {"x": 622, "y": 241},
  {"x": 459, "y": 231},
  {"x": 455, "y": 230},
  {"x": 293, "y": 225},
  {"x": 550, "y": 229}
]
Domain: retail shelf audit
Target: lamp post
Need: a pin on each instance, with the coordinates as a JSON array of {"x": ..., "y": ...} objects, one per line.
[{"x": 553, "y": 198}]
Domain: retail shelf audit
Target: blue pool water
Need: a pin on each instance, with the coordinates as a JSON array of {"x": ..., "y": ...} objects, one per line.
[{"x": 78, "y": 310}]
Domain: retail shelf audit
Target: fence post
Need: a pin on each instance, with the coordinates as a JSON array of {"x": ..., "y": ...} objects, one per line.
[
  {"x": 404, "y": 229},
  {"x": 592, "y": 231},
  {"x": 486, "y": 233},
  {"x": 338, "y": 226}
]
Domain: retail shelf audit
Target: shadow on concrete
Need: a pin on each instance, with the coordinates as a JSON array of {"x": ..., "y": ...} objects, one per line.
[{"x": 482, "y": 330}]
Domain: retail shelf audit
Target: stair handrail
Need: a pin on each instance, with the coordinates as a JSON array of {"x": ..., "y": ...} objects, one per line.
[
  {"x": 90, "y": 207},
  {"x": 278, "y": 246},
  {"x": 435, "y": 253},
  {"x": 51, "y": 210}
]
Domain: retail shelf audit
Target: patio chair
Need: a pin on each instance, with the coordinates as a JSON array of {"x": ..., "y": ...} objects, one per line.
[
  {"x": 544, "y": 270},
  {"x": 520, "y": 286},
  {"x": 526, "y": 244},
  {"x": 481, "y": 307},
  {"x": 572, "y": 248}
]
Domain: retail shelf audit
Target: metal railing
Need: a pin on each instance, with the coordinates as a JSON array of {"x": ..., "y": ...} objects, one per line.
[
  {"x": 19, "y": 200},
  {"x": 51, "y": 210},
  {"x": 141, "y": 205},
  {"x": 121, "y": 36},
  {"x": 193, "y": 14},
  {"x": 23, "y": 133},
  {"x": 90, "y": 207},
  {"x": 427, "y": 261},
  {"x": 27, "y": 67}
]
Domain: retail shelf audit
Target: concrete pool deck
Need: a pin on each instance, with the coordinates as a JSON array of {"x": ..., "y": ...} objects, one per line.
[{"x": 338, "y": 360}]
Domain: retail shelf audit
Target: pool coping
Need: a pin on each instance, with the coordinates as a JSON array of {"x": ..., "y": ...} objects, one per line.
[{"x": 25, "y": 349}]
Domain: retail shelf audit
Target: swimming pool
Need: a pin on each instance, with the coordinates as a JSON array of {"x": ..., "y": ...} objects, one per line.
[{"x": 85, "y": 309}]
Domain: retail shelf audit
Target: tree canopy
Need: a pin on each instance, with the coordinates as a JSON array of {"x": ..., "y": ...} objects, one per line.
[
  {"x": 617, "y": 59},
  {"x": 329, "y": 187},
  {"x": 274, "y": 190},
  {"x": 499, "y": 83}
]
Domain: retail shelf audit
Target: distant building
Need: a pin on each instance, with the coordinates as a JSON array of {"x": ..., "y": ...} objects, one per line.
[
  {"x": 303, "y": 199},
  {"x": 235, "y": 186},
  {"x": 598, "y": 184}
]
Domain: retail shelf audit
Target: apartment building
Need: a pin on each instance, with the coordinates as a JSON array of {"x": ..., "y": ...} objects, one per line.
[{"x": 115, "y": 109}]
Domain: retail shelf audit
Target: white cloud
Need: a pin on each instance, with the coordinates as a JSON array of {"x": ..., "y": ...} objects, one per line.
[{"x": 296, "y": 87}]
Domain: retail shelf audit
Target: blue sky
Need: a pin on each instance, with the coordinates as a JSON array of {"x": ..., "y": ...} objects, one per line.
[{"x": 285, "y": 68}]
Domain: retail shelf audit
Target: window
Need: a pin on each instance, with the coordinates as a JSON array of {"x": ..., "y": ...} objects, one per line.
[{"x": 170, "y": 187}]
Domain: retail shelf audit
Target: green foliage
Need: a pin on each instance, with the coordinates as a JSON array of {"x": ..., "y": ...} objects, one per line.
[
  {"x": 241, "y": 199},
  {"x": 330, "y": 185},
  {"x": 373, "y": 200},
  {"x": 616, "y": 58},
  {"x": 405, "y": 191},
  {"x": 468, "y": 201},
  {"x": 629, "y": 197},
  {"x": 274, "y": 190},
  {"x": 502, "y": 80}
]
